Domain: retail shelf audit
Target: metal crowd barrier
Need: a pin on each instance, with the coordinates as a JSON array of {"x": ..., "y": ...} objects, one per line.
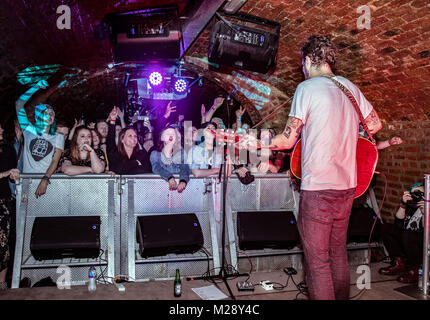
[
  {"x": 120, "y": 200},
  {"x": 426, "y": 239}
]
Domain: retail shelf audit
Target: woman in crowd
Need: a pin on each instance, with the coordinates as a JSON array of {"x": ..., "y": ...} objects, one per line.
[
  {"x": 81, "y": 157},
  {"x": 190, "y": 138},
  {"x": 204, "y": 159},
  {"x": 169, "y": 159},
  {"x": 126, "y": 157},
  {"x": 8, "y": 171}
]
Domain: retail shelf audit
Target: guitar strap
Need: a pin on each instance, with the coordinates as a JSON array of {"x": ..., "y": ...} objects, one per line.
[{"x": 355, "y": 104}]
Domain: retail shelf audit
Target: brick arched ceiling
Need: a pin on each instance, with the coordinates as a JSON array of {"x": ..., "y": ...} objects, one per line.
[{"x": 390, "y": 61}]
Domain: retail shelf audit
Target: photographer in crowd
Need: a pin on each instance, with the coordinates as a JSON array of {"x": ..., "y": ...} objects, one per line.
[{"x": 404, "y": 239}]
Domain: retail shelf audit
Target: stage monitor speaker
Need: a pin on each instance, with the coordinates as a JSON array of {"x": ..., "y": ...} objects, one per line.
[
  {"x": 65, "y": 237},
  {"x": 171, "y": 233},
  {"x": 267, "y": 229},
  {"x": 242, "y": 46},
  {"x": 360, "y": 225}
]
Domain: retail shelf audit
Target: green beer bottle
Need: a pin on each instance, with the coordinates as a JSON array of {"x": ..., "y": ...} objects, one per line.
[{"x": 177, "y": 285}]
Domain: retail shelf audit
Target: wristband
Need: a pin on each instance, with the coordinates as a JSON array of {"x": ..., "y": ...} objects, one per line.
[
  {"x": 402, "y": 204},
  {"x": 172, "y": 177},
  {"x": 182, "y": 180},
  {"x": 45, "y": 177}
]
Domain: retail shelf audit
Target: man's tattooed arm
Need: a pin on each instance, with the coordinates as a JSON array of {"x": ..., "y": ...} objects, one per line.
[
  {"x": 373, "y": 122},
  {"x": 289, "y": 136}
]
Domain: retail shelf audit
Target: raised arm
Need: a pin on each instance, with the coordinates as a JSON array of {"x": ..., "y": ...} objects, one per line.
[
  {"x": 24, "y": 123},
  {"x": 217, "y": 103},
  {"x": 289, "y": 136}
]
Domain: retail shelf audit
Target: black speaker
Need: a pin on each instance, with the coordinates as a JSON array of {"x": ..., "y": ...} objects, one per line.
[
  {"x": 360, "y": 225},
  {"x": 147, "y": 34},
  {"x": 264, "y": 229},
  {"x": 65, "y": 237},
  {"x": 244, "y": 47},
  {"x": 173, "y": 233}
]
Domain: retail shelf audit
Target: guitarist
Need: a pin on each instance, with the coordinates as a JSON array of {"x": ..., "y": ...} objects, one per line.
[{"x": 328, "y": 123}]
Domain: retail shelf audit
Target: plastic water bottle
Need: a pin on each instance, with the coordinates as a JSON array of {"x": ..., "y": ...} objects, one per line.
[
  {"x": 420, "y": 277},
  {"x": 92, "y": 275}
]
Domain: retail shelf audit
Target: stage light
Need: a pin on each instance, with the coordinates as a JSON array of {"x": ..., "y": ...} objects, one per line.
[
  {"x": 155, "y": 78},
  {"x": 181, "y": 85}
]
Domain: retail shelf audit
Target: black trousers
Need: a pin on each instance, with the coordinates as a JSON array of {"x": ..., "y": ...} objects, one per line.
[{"x": 403, "y": 243}]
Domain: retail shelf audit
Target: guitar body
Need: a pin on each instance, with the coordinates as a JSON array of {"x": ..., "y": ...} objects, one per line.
[{"x": 367, "y": 158}]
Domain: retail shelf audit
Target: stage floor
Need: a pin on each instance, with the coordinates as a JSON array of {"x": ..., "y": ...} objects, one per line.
[{"x": 381, "y": 288}]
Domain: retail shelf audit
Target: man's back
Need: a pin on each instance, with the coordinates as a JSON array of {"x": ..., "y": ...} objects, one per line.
[{"x": 329, "y": 134}]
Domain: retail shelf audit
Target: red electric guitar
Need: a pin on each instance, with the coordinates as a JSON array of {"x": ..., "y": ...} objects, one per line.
[{"x": 367, "y": 158}]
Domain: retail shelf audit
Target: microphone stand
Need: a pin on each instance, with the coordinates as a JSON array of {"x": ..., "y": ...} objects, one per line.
[{"x": 224, "y": 274}]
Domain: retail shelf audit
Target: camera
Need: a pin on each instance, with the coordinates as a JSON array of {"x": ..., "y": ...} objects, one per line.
[{"x": 417, "y": 196}]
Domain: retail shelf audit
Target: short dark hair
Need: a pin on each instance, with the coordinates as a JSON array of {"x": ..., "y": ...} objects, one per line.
[{"x": 320, "y": 49}]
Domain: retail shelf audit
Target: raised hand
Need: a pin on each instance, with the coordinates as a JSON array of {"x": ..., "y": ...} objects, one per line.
[
  {"x": 170, "y": 109},
  {"x": 203, "y": 113},
  {"x": 120, "y": 113},
  {"x": 113, "y": 114},
  {"x": 147, "y": 124},
  {"x": 42, "y": 84},
  {"x": 240, "y": 112},
  {"x": 218, "y": 102}
]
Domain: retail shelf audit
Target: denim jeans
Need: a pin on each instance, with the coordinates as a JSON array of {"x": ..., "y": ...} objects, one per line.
[{"x": 323, "y": 225}]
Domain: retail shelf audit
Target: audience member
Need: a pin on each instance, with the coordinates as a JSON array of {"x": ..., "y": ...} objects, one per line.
[
  {"x": 169, "y": 159},
  {"x": 42, "y": 145},
  {"x": 8, "y": 171},
  {"x": 103, "y": 128},
  {"x": 126, "y": 157},
  {"x": 207, "y": 116},
  {"x": 204, "y": 159},
  {"x": 404, "y": 239},
  {"x": 81, "y": 157}
]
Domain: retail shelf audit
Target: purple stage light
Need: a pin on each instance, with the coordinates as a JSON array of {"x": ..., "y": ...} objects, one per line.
[
  {"x": 155, "y": 78},
  {"x": 180, "y": 85}
]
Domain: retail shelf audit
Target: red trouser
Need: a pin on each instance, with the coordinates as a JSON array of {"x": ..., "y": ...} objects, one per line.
[{"x": 323, "y": 225}]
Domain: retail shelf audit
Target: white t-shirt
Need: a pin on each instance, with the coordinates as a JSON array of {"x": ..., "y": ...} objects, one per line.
[
  {"x": 329, "y": 134},
  {"x": 39, "y": 150}
]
